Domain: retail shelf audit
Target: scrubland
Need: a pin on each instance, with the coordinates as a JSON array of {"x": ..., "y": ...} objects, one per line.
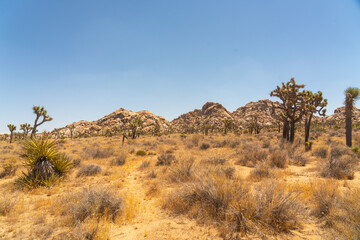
[{"x": 189, "y": 187}]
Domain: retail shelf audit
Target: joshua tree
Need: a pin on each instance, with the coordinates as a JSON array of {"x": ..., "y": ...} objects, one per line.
[
  {"x": 351, "y": 95},
  {"x": 254, "y": 124},
  {"x": 40, "y": 112},
  {"x": 206, "y": 128},
  {"x": 228, "y": 123},
  {"x": 26, "y": 129},
  {"x": 12, "y": 128},
  {"x": 315, "y": 104},
  {"x": 293, "y": 106},
  {"x": 134, "y": 126},
  {"x": 71, "y": 128}
]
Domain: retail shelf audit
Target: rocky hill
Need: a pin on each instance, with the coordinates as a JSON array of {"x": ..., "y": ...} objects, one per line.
[
  {"x": 339, "y": 115},
  {"x": 116, "y": 122},
  {"x": 261, "y": 108},
  {"x": 211, "y": 113}
]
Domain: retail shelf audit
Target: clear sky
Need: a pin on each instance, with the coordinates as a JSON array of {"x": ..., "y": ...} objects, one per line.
[{"x": 83, "y": 59}]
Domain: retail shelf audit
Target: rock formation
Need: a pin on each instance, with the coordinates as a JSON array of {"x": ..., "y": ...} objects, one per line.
[{"x": 116, "y": 122}]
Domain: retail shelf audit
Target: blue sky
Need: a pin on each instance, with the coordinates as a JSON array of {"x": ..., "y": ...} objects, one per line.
[{"x": 84, "y": 59}]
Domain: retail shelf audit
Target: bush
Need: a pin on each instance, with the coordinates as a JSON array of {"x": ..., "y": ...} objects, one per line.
[
  {"x": 89, "y": 170},
  {"x": 93, "y": 202},
  {"x": 9, "y": 170},
  {"x": 321, "y": 152},
  {"x": 45, "y": 164},
  {"x": 76, "y": 162},
  {"x": 120, "y": 160},
  {"x": 183, "y": 171},
  {"x": 165, "y": 159},
  {"x": 7, "y": 202},
  {"x": 261, "y": 170},
  {"x": 204, "y": 146},
  {"x": 299, "y": 159},
  {"x": 278, "y": 158},
  {"x": 251, "y": 157},
  {"x": 140, "y": 153},
  {"x": 144, "y": 164},
  {"x": 97, "y": 152},
  {"x": 215, "y": 160},
  {"x": 339, "y": 167},
  {"x": 325, "y": 197}
]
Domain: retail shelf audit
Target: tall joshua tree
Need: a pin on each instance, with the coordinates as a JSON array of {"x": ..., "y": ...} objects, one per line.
[
  {"x": 315, "y": 103},
  {"x": 351, "y": 95},
  {"x": 12, "y": 128},
  {"x": 293, "y": 106},
  {"x": 40, "y": 112},
  {"x": 26, "y": 129}
]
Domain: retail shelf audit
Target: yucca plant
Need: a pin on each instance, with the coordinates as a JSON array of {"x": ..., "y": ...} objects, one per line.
[{"x": 46, "y": 165}]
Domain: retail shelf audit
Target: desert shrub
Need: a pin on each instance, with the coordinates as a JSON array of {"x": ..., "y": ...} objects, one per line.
[
  {"x": 227, "y": 171},
  {"x": 339, "y": 167},
  {"x": 237, "y": 208},
  {"x": 152, "y": 174},
  {"x": 324, "y": 197},
  {"x": 9, "y": 169},
  {"x": 339, "y": 150},
  {"x": 140, "y": 153},
  {"x": 97, "y": 152},
  {"x": 207, "y": 197},
  {"x": 278, "y": 158},
  {"x": 195, "y": 139},
  {"x": 356, "y": 149},
  {"x": 45, "y": 164},
  {"x": 76, "y": 162},
  {"x": 7, "y": 202},
  {"x": 183, "y": 171},
  {"x": 165, "y": 159},
  {"x": 93, "y": 203},
  {"x": 144, "y": 164},
  {"x": 251, "y": 157},
  {"x": 89, "y": 170},
  {"x": 215, "y": 160},
  {"x": 277, "y": 206},
  {"x": 321, "y": 152},
  {"x": 299, "y": 159},
  {"x": 119, "y": 160},
  {"x": 204, "y": 146},
  {"x": 266, "y": 143},
  {"x": 261, "y": 171}
]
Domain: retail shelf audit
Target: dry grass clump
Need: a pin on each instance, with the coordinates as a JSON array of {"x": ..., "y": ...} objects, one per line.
[
  {"x": 165, "y": 159},
  {"x": 236, "y": 207},
  {"x": 299, "y": 158},
  {"x": 97, "y": 152},
  {"x": 140, "y": 153},
  {"x": 321, "y": 152},
  {"x": 250, "y": 157},
  {"x": 341, "y": 163},
  {"x": 278, "y": 158},
  {"x": 215, "y": 160},
  {"x": 144, "y": 164},
  {"x": 9, "y": 169},
  {"x": 7, "y": 202},
  {"x": 183, "y": 171},
  {"x": 119, "y": 160},
  {"x": 324, "y": 198},
  {"x": 262, "y": 170},
  {"x": 204, "y": 146},
  {"x": 93, "y": 203},
  {"x": 89, "y": 170}
]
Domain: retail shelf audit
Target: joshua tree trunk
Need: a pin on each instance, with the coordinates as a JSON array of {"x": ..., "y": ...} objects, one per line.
[
  {"x": 348, "y": 120},
  {"x": 292, "y": 131},
  {"x": 286, "y": 130},
  {"x": 307, "y": 128}
]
